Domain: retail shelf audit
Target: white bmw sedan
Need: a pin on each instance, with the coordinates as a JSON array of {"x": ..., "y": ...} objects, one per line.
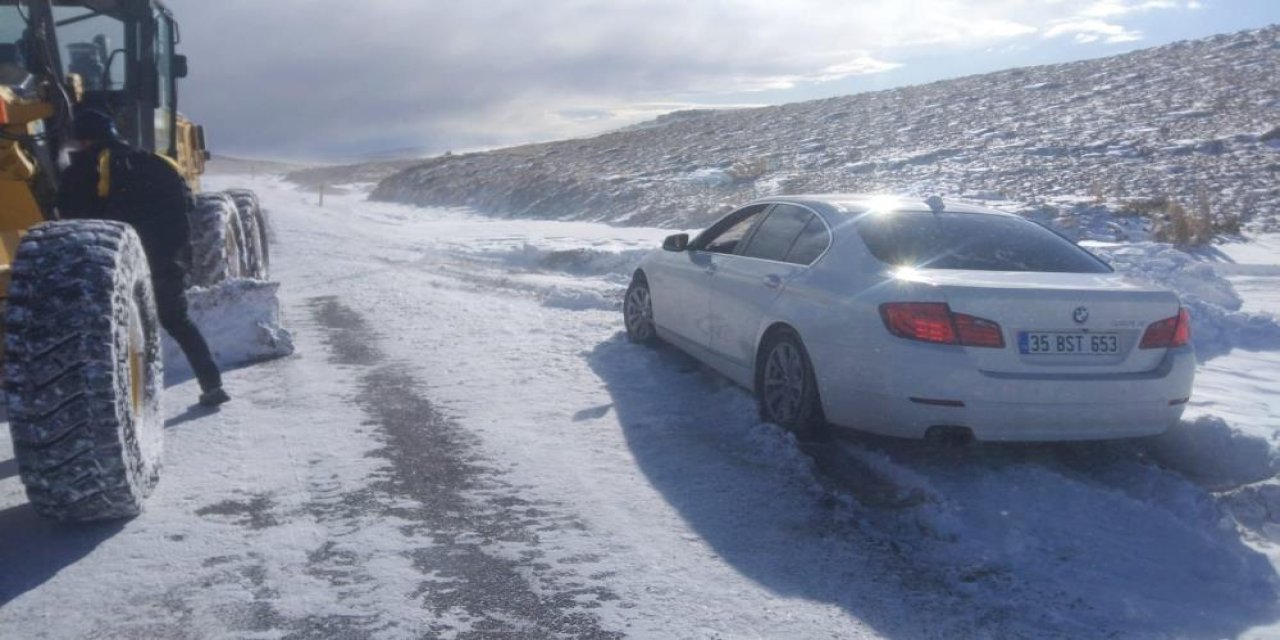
[{"x": 916, "y": 319}]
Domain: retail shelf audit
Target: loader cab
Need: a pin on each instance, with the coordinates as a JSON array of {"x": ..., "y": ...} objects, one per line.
[{"x": 125, "y": 54}]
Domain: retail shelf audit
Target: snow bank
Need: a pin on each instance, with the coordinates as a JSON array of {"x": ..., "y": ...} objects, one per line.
[
  {"x": 1215, "y": 331},
  {"x": 779, "y": 448},
  {"x": 240, "y": 319},
  {"x": 713, "y": 176},
  {"x": 559, "y": 276},
  {"x": 580, "y": 261},
  {"x": 1165, "y": 265},
  {"x": 581, "y": 299},
  {"x": 1217, "y": 324},
  {"x": 1257, "y": 508},
  {"x": 1210, "y": 452}
]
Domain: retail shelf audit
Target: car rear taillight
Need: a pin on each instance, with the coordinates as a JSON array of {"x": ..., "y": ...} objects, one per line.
[
  {"x": 935, "y": 322},
  {"x": 1182, "y": 336},
  {"x": 1168, "y": 333},
  {"x": 978, "y": 332},
  {"x": 925, "y": 321}
]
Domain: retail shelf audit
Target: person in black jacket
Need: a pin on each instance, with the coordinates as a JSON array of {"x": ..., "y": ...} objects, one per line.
[{"x": 107, "y": 179}]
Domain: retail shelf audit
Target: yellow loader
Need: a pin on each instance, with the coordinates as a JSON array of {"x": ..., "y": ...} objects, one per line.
[{"x": 83, "y": 375}]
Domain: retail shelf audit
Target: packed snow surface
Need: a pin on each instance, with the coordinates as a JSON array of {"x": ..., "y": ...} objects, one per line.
[{"x": 464, "y": 444}]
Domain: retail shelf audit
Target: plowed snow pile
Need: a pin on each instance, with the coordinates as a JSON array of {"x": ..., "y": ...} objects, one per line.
[{"x": 241, "y": 321}]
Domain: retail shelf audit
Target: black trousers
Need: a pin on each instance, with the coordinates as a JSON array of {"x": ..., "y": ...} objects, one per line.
[{"x": 171, "y": 305}]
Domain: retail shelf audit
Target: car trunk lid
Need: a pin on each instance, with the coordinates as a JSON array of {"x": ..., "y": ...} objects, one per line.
[{"x": 1083, "y": 323}]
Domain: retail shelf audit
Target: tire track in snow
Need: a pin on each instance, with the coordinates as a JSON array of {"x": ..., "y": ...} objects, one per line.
[{"x": 439, "y": 483}]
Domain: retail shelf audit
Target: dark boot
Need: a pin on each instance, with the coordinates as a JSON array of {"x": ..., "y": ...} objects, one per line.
[
  {"x": 171, "y": 306},
  {"x": 214, "y": 397}
]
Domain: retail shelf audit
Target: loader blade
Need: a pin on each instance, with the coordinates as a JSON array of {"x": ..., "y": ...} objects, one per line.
[{"x": 240, "y": 319}]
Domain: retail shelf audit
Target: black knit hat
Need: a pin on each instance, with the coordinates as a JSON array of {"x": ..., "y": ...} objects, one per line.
[{"x": 95, "y": 125}]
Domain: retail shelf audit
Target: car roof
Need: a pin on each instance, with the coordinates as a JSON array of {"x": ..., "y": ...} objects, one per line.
[{"x": 858, "y": 203}]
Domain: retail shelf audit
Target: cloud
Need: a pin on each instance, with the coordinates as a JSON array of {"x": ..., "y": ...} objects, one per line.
[
  {"x": 1087, "y": 31},
  {"x": 1115, "y": 8},
  {"x": 859, "y": 64},
  {"x": 335, "y": 77},
  {"x": 1095, "y": 22}
]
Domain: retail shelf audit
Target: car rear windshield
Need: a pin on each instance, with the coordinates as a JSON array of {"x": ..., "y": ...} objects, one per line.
[{"x": 976, "y": 241}]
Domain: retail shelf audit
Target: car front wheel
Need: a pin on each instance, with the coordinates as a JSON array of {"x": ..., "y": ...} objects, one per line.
[{"x": 637, "y": 312}]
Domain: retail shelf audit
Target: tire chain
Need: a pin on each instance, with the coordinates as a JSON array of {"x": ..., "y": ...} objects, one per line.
[{"x": 79, "y": 451}]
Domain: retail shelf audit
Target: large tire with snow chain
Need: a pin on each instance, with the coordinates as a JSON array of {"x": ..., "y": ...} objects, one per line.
[
  {"x": 83, "y": 371},
  {"x": 253, "y": 223},
  {"x": 217, "y": 242}
]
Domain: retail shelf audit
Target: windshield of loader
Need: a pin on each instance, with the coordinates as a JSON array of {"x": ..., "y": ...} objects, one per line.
[
  {"x": 12, "y": 71},
  {"x": 92, "y": 46},
  {"x": 11, "y": 25}
]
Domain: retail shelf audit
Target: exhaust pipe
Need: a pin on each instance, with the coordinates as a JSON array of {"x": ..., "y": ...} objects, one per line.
[{"x": 949, "y": 435}]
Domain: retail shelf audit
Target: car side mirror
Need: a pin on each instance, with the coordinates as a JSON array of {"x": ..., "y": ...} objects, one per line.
[
  {"x": 180, "y": 68},
  {"x": 678, "y": 242}
]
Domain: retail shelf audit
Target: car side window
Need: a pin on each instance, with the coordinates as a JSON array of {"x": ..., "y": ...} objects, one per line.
[
  {"x": 725, "y": 236},
  {"x": 811, "y": 243},
  {"x": 773, "y": 240}
]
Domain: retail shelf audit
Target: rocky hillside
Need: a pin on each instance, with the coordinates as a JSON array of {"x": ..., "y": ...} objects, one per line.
[
  {"x": 347, "y": 174},
  {"x": 1152, "y": 139},
  {"x": 227, "y": 165}
]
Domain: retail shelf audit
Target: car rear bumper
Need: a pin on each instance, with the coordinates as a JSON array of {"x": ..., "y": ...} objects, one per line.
[
  {"x": 1031, "y": 422},
  {"x": 917, "y": 394}
]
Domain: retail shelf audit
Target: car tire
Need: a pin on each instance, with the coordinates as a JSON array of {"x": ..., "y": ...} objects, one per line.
[
  {"x": 786, "y": 387},
  {"x": 637, "y": 312},
  {"x": 83, "y": 372}
]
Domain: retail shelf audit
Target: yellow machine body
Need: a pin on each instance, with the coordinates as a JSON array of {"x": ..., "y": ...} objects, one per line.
[
  {"x": 28, "y": 178},
  {"x": 19, "y": 208}
]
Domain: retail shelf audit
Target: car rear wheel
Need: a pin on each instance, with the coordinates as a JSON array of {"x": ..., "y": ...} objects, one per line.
[
  {"x": 786, "y": 388},
  {"x": 637, "y": 312}
]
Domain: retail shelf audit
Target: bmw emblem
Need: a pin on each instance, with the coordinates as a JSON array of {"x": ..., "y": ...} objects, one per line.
[{"x": 1080, "y": 315}]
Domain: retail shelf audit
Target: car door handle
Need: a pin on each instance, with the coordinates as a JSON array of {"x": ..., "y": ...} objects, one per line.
[{"x": 773, "y": 281}]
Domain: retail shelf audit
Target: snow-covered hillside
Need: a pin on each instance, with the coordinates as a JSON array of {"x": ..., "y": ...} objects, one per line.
[
  {"x": 465, "y": 445},
  {"x": 1195, "y": 123}
]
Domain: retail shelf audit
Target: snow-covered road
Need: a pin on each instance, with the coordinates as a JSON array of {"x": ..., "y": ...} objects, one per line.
[{"x": 465, "y": 446}]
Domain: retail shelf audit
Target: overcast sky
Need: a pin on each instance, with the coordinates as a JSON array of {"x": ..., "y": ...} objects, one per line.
[{"x": 335, "y": 79}]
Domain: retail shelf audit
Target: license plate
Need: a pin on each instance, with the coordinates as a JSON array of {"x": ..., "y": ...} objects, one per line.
[{"x": 1050, "y": 343}]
